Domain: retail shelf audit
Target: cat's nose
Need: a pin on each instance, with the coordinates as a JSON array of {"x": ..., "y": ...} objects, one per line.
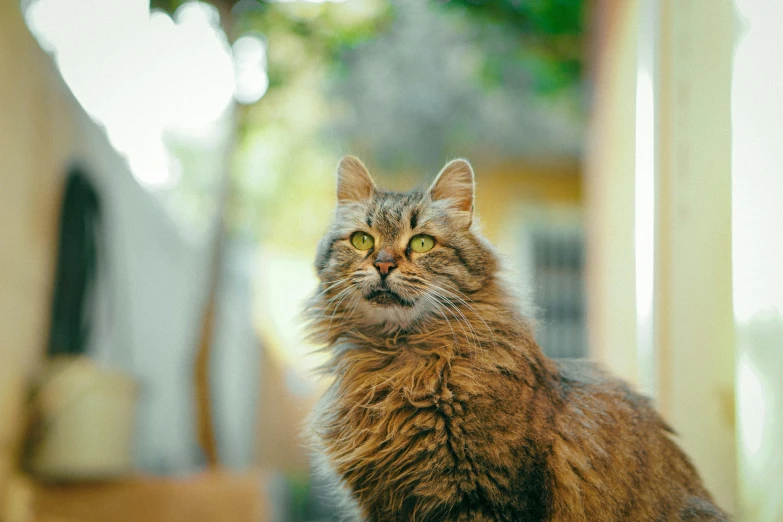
[{"x": 385, "y": 263}]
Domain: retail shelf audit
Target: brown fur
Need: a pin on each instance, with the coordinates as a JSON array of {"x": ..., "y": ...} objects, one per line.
[{"x": 442, "y": 406}]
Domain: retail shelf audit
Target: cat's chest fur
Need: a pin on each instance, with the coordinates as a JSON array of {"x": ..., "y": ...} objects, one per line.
[{"x": 420, "y": 432}]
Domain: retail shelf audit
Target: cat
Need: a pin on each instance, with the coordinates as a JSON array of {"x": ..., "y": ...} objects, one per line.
[{"x": 442, "y": 406}]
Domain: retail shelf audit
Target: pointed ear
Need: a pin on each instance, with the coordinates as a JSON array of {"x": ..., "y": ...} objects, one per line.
[
  {"x": 353, "y": 180},
  {"x": 455, "y": 183}
]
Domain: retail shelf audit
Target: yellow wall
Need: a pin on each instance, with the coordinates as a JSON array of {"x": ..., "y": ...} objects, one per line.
[
  {"x": 42, "y": 127},
  {"x": 502, "y": 189},
  {"x": 27, "y": 217}
]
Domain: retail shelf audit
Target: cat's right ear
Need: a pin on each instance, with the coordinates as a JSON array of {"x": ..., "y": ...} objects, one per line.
[{"x": 353, "y": 181}]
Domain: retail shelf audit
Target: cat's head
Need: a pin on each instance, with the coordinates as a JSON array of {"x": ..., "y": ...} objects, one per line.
[{"x": 391, "y": 259}]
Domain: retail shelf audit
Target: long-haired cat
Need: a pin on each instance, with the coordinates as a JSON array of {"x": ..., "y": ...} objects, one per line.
[{"x": 442, "y": 407}]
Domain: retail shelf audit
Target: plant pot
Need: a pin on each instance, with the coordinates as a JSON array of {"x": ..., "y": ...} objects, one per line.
[{"x": 85, "y": 422}]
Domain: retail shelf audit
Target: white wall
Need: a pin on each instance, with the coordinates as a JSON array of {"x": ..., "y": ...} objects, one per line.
[
  {"x": 609, "y": 191},
  {"x": 757, "y": 184},
  {"x": 152, "y": 296},
  {"x": 693, "y": 291},
  {"x": 688, "y": 365}
]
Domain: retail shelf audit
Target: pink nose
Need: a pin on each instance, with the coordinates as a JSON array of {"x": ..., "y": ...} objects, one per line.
[
  {"x": 385, "y": 266},
  {"x": 385, "y": 262}
]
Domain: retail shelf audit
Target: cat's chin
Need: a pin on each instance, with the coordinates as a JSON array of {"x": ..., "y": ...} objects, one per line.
[{"x": 389, "y": 315}]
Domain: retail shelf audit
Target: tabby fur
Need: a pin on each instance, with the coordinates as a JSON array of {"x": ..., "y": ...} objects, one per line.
[{"x": 442, "y": 406}]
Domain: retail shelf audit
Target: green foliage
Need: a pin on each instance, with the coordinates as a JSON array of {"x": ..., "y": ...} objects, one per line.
[
  {"x": 310, "y": 34},
  {"x": 550, "y": 35},
  {"x": 550, "y": 32},
  {"x": 280, "y": 159},
  {"x": 531, "y": 17}
]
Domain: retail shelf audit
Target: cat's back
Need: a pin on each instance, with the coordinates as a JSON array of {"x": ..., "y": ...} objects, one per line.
[
  {"x": 613, "y": 453},
  {"x": 591, "y": 392}
]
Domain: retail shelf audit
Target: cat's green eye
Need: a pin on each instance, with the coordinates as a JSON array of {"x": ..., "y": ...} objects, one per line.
[
  {"x": 422, "y": 243},
  {"x": 362, "y": 241}
]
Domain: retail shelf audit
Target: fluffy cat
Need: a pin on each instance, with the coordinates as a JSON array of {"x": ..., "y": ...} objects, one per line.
[{"x": 442, "y": 407}]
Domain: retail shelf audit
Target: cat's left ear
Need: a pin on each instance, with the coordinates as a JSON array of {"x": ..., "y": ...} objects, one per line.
[{"x": 455, "y": 184}]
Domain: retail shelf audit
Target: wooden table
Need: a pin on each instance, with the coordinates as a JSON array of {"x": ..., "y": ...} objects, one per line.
[{"x": 208, "y": 497}]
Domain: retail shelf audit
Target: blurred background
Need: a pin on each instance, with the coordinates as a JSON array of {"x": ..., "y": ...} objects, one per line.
[{"x": 167, "y": 168}]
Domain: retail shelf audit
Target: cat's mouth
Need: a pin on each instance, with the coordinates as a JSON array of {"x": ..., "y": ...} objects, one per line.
[{"x": 386, "y": 297}]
